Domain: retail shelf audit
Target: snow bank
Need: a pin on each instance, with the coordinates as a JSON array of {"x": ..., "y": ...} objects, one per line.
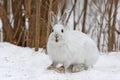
[{"x": 17, "y": 63}]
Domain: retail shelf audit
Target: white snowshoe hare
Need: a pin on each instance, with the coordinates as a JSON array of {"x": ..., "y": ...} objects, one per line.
[{"x": 70, "y": 48}]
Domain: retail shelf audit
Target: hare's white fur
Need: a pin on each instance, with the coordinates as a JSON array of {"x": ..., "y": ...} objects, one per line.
[{"x": 73, "y": 47}]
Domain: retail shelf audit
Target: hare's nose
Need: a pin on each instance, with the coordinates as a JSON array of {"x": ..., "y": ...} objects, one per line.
[{"x": 56, "y": 35}]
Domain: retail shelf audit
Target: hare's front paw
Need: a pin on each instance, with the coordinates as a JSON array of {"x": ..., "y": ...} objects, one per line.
[
  {"x": 61, "y": 69},
  {"x": 51, "y": 67},
  {"x": 79, "y": 67}
]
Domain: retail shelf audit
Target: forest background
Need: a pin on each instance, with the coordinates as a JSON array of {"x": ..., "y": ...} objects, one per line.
[{"x": 27, "y": 22}]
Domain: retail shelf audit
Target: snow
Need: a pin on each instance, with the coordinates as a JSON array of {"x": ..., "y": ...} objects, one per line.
[
  {"x": 19, "y": 63},
  {"x": 0, "y": 23}
]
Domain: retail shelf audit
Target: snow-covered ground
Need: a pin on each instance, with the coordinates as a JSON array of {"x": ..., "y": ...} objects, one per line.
[{"x": 17, "y": 63}]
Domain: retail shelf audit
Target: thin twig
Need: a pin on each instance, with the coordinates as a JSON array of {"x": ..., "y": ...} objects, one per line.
[
  {"x": 71, "y": 11},
  {"x": 117, "y": 31}
]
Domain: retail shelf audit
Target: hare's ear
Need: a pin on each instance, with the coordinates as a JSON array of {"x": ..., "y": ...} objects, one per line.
[
  {"x": 63, "y": 18},
  {"x": 53, "y": 18}
]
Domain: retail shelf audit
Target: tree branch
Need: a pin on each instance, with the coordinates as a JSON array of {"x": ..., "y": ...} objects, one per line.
[{"x": 71, "y": 11}]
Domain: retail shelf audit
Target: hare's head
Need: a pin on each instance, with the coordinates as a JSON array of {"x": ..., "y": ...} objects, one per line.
[{"x": 58, "y": 27}]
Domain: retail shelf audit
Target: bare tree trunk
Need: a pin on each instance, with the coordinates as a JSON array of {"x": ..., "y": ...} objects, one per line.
[
  {"x": 109, "y": 27},
  {"x": 32, "y": 23},
  {"x": 74, "y": 18},
  {"x": 84, "y": 16},
  {"x": 6, "y": 25},
  {"x": 114, "y": 25},
  {"x": 27, "y": 8},
  {"x": 38, "y": 8},
  {"x": 19, "y": 20},
  {"x": 101, "y": 28}
]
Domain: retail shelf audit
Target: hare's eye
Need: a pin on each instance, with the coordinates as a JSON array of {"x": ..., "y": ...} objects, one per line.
[
  {"x": 62, "y": 30},
  {"x": 52, "y": 30}
]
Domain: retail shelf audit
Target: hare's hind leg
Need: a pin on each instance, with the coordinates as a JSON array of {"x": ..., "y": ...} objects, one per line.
[
  {"x": 60, "y": 69},
  {"x": 79, "y": 67},
  {"x": 52, "y": 66},
  {"x": 63, "y": 68}
]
